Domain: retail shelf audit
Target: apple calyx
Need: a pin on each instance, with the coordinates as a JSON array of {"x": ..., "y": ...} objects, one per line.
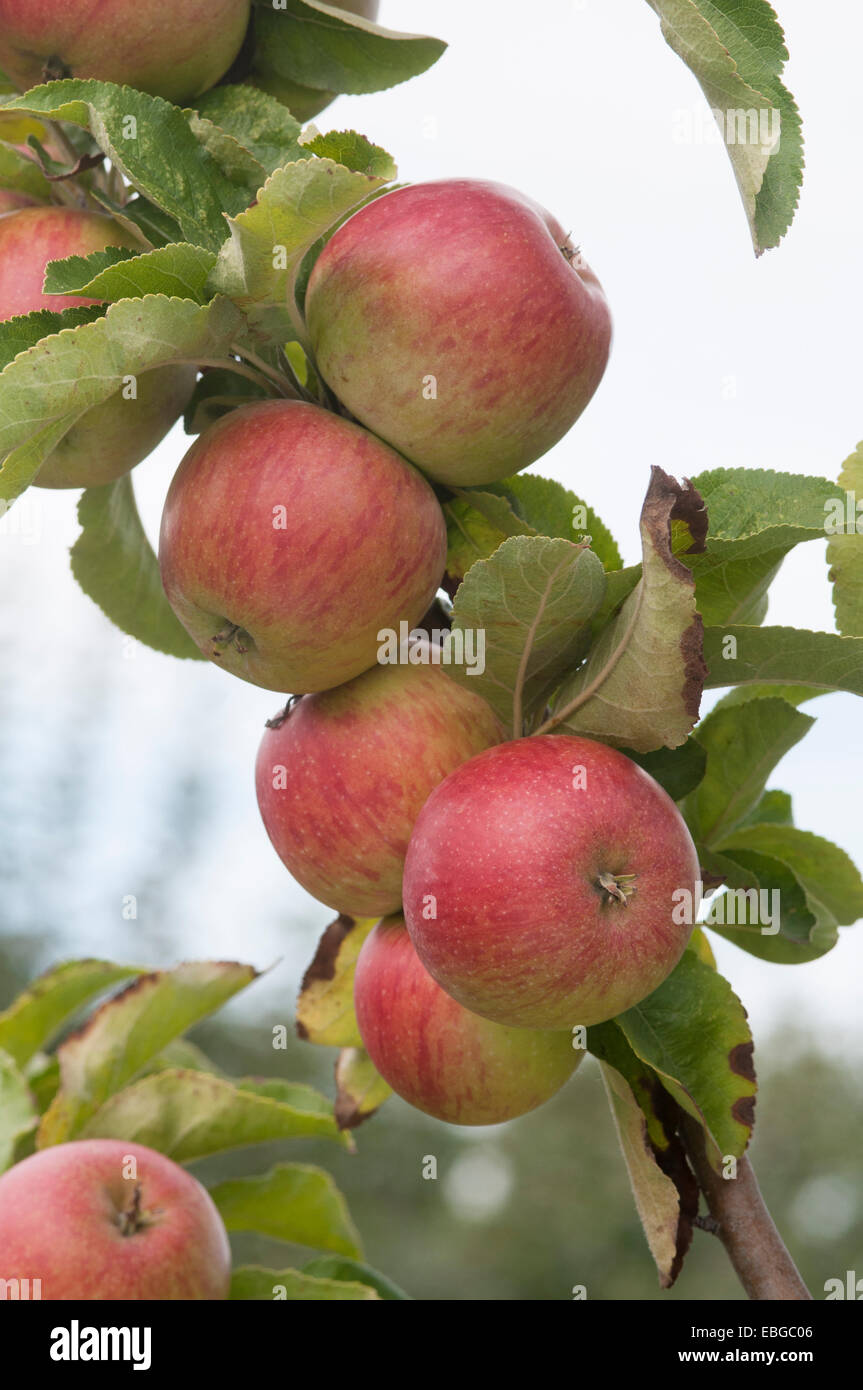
[
  {"x": 619, "y": 887},
  {"x": 232, "y": 635},
  {"x": 131, "y": 1219}
]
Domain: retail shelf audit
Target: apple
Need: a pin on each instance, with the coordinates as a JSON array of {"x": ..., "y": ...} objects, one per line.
[
  {"x": 539, "y": 882},
  {"x": 342, "y": 775},
  {"x": 106, "y": 1219},
  {"x": 438, "y": 1056},
  {"x": 459, "y": 322},
  {"x": 291, "y": 538},
  {"x": 170, "y": 48},
  {"x": 303, "y": 102},
  {"x": 109, "y": 439}
]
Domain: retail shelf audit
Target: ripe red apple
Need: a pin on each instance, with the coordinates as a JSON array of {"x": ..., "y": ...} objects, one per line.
[
  {"x": 342, "y": 777},
  {"x": 290, "y": 538},
  {"x": 539, "y": 879},
  {"x": 106, "y": 1219},
  {"x": 458, "y": 321},
  {"x": 111, "y": 438},
  {"x": 442, "y": 1059},
  {"x": 171, "y": 48}
]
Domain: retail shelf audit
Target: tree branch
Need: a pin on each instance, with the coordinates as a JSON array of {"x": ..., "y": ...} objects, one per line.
[{"x": 745, "y": 1226}]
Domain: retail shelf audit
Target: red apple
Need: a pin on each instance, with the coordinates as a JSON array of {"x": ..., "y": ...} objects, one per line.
[
  {"x": 170, "y": 48},
  {"x": 106, "y": 1219},
  {"x": 436, "y": 1055},
  {"x": 539, "y": 879},
  {"x": 291, "y": 538},
  {"x": 458, "y": 321},
  {"x": 343, "y": 775},
  {"x": 111, "y": 438}
]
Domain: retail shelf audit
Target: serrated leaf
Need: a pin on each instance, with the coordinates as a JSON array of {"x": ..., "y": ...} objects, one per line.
[
  {"x": 739, "y": 916},
  {"x": 117, "y": 568},
  {"x": 354, "y": 1272},
  {"x": 259, "y": 265},
  {"x": 277, "y": 1285},
  {"x": 693, "y": 1033},
  {"x": 32, "y": 1019},
  {"x": 531, "y": 602},
  {"x": 845, "y": 551},
  {"x": 21, "y": 173},
  {"x": 318, "y": 46},
  {"x": 194, "y": 186},
  {"x": 325, "y": 1008},
  {"x": 126, "y": 1032},
  {"x": 360, "y": 1091},
  {"x": 179, "y": 271},
  {"x": 355, "y": 152},
  {"x": 774, "y": 808},
  {"x": 743, "y": 746},
  {"x": 257, "y": 121},
  {"x": 294, "y": 1202},
  {"x": 756, "y": 517},
  {"x": 827, "y": 875},
  {"x": 25, "y": 331},
  {"x": 736, "y": 50},
  {"x": 641, "y": 685},
  {"x": 46, "y": 389},
  {"x": 783, "y": 656},
  {"x": 18, "y": 1114},
  {"x": 189, "y": 1115}
]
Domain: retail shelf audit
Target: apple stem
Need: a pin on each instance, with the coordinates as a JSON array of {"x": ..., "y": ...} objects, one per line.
[
  {"x": 230, "y": 634},
  {"x": 130, "y": 1221},
  {"x": 619, "y": 887}
]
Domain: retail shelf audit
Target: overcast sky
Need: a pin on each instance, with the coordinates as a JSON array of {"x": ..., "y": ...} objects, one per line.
[{"x": 718, "y": 359}]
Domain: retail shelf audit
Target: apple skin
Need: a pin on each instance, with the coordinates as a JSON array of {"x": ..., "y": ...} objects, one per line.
[
  {"x": 306, "y": 102},
  {"x": 60, "y": 1213},
  {"x": 294, "y": 536},
  {"x": 438, "y": 1056},
  {"x": 476, "y": 285},
  {"x": 111, "y": 438},
  {"x": 360, "y": 762},
  {"x": 175, "y": 49},
  {"x": 511, "y": 853}
]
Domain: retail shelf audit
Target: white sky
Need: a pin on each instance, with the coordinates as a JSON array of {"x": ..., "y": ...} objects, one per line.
[{"x": 578, "y": 106}]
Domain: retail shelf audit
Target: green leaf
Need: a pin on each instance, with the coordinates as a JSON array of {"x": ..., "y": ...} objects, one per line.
[
  {"x": 774, "y": 808},
  {"x": 32, "y": 1019},
  {"x": 693, "y": 1033},
  {"x": 827, "y": 875},
  {"x": 317, "y": 46},
  {"x": 678, "y": 770},
  {"x": 47, "y": 389},
  {"x": 259, "y": 265},
  {"x": 736, "y": 50},
  {"x": 293, "y": 1202},
  {"x": 116, "y": 567},
  {"x": 253, "y": 1282},
  {"x": 530, "y": 604},
  {"x": 18, "y": 1115},
  {"x": 739, "y": 916},
  {"x": 179, "y": 271},
  {"x": 128, "y": 1031},
  {"x": 756, "y": 517},
  {"x": 196, "y": 185},
  {"x": 257, "y": 121},
  {"x": 360, "y": 1091},
  {"x": 325, "y": 1008},
  {"x": 656, "y": 1197},
  {"x": 189, "y": 1115},
  {"x": 19, "y": 334},
  {"x": 640, "y": 687},
  {"x": 21, "y": 173},
  {"x": 783, "y": 656},
  {"x": 352, "y": 1271},
  {"x": 743, "y": 746},
  {"x": 353, "y": 151},
  {"x": 845, "y": 550}
]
